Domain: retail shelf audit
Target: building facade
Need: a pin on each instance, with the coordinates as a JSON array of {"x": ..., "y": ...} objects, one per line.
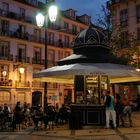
[
  {"x": 22, "y": 45},
  {"x": 126, "y": 23}
]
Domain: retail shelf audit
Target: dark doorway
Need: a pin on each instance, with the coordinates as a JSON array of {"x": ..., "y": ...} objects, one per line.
[{"x": 36, "y": 98}]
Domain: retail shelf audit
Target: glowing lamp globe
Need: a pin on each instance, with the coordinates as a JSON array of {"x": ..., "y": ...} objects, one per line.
[
  {"x": 21, "y": 70},
  {"x": 40, "y": 20},
  {"x": 52, "y": 13}
]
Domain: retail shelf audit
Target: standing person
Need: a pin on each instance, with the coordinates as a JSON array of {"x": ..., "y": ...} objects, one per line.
[
  {"x": 109, "y": 108},
  {"x": 127, "y": 110},
  {"x": 138, "y": 102},
  {"x": 17, "y": 116},
  {"x": 119, "y": 110}
]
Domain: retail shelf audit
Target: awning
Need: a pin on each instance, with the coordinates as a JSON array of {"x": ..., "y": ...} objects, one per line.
[{"x": 65, "y": 74}]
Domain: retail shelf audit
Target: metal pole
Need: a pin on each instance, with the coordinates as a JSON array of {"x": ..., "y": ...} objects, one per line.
[{"x": 45, "y": 66}]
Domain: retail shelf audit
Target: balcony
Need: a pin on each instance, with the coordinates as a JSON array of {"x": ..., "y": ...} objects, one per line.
[
  {"x": 24, "y": 36},
  {"x": 5, "y": 83},
  {"x": 15, "y": 16},
  {"x": 62, "y": 29},
  {"x": 20, "y": 84},
  {"x": 34, "y": 3},
  {"x": 6, "y": 57},
  {"x": 37, "y": 61},
  {"x": 22, "y": 59},
  {"x": 37, "y": 84},
  {"x": 12, "y": 15}
]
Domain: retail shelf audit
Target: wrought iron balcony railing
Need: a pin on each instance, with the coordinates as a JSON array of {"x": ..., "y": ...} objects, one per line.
[
  {"x": 22, "y": 59},
  {"x": 6, "y": 83},
  {"x": 8, "y": 57},
  {"x": 37, "y": 61},
  {"x": 24, "y": 36},
  {"x": 22, "y": 84},
  {"x": 13, "y": 15},
  {"x": 37, "y": 84}
]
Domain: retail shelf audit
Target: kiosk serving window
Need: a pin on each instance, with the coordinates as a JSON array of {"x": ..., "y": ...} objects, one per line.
[{"x": 89, "y": 89}]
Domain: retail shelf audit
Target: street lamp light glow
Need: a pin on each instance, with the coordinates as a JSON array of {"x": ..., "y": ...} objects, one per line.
[
  {"x": 4, "y": 73},
  {"x": 40, "y": 20},
  {"x": 52, "y": 13},
  {"x": 21, "y": 70}
]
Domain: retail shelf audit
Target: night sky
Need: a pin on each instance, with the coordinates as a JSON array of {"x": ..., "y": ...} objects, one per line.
[{"x": 89, "y": 7}]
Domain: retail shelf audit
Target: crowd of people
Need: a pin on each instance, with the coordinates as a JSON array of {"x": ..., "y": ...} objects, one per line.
[
  {"x": 118, "y": 108},
  {"x": 24, "y": 115}
]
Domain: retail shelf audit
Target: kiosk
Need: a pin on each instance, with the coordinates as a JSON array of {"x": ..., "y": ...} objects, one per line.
[{"x": 92, "y": 69}]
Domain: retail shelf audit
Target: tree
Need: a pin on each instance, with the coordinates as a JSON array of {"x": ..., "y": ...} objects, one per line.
[
  {"x": 104, "y": 21},
  {"x": 122, "y": 44},
  {"x": 126, "y": 48}
]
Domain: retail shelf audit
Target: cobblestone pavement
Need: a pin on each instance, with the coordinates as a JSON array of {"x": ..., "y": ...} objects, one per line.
[{"x": 63, "y": 133}]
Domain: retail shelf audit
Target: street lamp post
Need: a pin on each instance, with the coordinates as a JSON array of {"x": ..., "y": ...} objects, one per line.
[{"x": 42, "y": 19}]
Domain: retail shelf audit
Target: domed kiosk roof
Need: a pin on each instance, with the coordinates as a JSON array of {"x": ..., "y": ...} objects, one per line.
[
  {"x": 90, "y": 37},
  {"x": 91, "y": 46}
]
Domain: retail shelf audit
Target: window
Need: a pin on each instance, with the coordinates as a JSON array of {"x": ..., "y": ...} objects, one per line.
[
  {"x": 51, "y": 38},
  {"x": 138, "y": 13},
  {"x": 60, "y": 55},
  {"x": 5, "y": 7},
  {"x": 4, "y": 49},
  {"x": 21, "y": 97},
  {"x": 51, "y": 57},
  {"x": 74, "y": 29},
  {"x": 4, "y": 27},
  {"x": 37, "y": 34},
  {"x": 20, "y": 32},
  {"x": 124, "y": 41},
  {"x": 4, "y": 96},
  {"x": 37, "y": 55},
  {"x": 66, "y": 25},
  {"x": 66, "y": 41},
  {"x": 124, "y": 17},
  {"x": 21, "y": 53},
  {"x": 22, "y": 13}
]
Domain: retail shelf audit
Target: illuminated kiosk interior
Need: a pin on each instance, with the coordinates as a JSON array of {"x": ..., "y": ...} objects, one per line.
[{"x": 91, "y": 68}]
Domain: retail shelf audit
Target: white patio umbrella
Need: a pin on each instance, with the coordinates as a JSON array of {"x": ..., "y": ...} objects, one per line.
[{"x": 65, "y": 74}]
